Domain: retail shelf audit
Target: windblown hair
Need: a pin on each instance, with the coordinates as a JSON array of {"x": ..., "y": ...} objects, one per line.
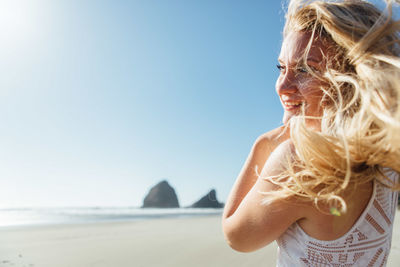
[{"x": 360, "y": 126}]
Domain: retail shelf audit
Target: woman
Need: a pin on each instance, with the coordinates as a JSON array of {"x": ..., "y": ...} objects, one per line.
[{"x": 327, "y": 188}]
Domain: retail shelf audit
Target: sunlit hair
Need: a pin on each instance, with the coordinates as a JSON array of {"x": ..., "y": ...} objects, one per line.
[{"x": 360, "y": 126}]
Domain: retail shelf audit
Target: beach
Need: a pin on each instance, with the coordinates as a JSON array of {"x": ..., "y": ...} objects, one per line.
[{"x": 192, "y": 241}]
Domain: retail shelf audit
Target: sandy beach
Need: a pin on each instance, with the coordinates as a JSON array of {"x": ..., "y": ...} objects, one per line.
[{"x": 159, "y": 242}]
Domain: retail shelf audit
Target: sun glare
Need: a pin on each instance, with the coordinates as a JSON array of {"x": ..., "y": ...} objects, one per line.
[{"x": 18, "y": 21}]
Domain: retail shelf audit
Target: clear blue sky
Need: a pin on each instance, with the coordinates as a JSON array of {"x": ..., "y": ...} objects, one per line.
[{"x": 100, "y": 100}]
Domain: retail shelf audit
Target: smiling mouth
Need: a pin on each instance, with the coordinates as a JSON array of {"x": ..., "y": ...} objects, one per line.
[{"x": 292, "y": 105}]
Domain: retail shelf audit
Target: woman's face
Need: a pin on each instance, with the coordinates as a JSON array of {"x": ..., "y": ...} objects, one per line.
[{"x": 296, "y": 87}]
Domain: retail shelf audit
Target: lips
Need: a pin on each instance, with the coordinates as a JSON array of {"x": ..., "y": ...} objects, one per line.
[{"x": 292, "y": 105}]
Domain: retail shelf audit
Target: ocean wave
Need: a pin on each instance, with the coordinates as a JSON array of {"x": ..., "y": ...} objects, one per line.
[{"x": 71, "y": 215}]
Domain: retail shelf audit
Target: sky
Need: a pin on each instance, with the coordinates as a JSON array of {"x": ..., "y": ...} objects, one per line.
[{"x": 102, "y": 99}]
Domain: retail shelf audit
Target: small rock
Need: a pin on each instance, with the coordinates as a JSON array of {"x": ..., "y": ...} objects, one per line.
[{"x": 208, "y": 201}]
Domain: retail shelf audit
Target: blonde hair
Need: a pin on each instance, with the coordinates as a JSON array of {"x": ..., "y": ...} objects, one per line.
[{"x": 360, "y": 125}]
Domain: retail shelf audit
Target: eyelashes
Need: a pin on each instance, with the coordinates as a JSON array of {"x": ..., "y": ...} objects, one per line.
[
  {"x": 302, "y": 69},
  {"x": 280, "y": 67},
  {"x": 299, "y": 69}
]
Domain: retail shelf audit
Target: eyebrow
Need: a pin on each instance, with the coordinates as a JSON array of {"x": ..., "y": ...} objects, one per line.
[
  {"x": 314, "y": 60},
  {"x": 308, "y": 59}
]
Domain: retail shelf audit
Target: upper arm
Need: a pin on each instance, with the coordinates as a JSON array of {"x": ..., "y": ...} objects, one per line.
[
  {"x": 247, "y": 177},
  {"x": 254, "y": 225}
]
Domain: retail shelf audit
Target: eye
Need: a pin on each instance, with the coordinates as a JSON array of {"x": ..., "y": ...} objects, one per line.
[
  {"x": 302, "y": 70},
  {"x": 280, "y": 67}
]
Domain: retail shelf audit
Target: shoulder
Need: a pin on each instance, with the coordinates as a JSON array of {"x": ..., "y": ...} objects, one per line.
[
  {"x": 273, "y": 135},
  {"x": 269, "y": 141},
  {"x": 279, "y": 159}
]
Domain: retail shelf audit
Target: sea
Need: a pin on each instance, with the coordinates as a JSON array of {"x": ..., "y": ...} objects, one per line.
[{"x": 73, "y": 215}]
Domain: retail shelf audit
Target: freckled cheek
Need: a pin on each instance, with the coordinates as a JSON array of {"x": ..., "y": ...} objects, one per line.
[{"x": 310, "y": 89}]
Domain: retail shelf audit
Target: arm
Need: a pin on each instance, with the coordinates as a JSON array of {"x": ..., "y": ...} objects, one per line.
[
  {"x": 248, "y": 225},
  {"x": 261, "y": 150}
]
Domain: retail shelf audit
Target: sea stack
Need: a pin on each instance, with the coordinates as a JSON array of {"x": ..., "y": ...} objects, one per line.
[
  {"x": 208, "y": 201},
  {"x": 162, "y": 195}
]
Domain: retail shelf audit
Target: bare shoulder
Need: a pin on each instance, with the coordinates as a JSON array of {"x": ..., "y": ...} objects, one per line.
[
  {"x": 273, "y": 135},
  {"x": 268, "y": 141},
  {"x": 285, "y": 148},
  {"x": 279, "y": 159}
]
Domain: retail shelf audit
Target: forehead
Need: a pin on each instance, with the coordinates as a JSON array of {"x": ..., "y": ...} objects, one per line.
[{"x": 294, "y": 46}]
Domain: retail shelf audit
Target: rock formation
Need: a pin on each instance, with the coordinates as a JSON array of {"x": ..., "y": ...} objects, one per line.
[
  {"x": 162, "y": 195},
  {"x": 208, "y": 201}
]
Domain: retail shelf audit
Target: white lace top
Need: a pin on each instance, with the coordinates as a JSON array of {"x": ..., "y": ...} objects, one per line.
[{"x": 367, "y": 244}]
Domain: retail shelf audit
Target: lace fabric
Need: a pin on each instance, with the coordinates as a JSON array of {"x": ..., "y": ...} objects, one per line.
[{"x": 366, "y": 244}]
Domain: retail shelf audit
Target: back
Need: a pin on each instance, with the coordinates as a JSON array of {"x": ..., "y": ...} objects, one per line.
[{"x": 367, "y": 243}]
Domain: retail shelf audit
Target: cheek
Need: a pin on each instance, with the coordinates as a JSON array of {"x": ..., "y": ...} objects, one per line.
[{"x": 311, "y": 89}]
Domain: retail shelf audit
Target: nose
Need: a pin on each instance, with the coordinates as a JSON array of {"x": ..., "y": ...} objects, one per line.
[{"x": 286, "y": 84}]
